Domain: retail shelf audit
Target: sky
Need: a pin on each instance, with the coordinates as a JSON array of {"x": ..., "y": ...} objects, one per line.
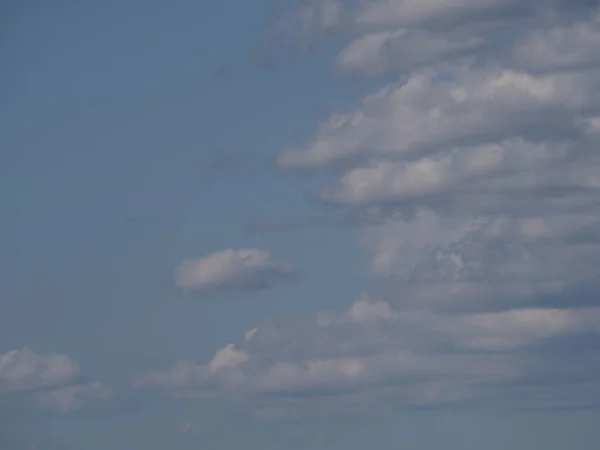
[{"x": 308, "y": 224}]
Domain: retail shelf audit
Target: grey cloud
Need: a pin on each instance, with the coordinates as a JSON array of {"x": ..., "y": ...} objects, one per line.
[{"x": 232, "y": 270}]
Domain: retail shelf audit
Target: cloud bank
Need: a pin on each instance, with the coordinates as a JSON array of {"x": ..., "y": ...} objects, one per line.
[{"x": 479, "y": 170}]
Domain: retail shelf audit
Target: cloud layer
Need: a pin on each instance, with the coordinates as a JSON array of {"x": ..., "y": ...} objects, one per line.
[
  {"x": 478, "y": 170},
  {"x": 232, "y": 270}
]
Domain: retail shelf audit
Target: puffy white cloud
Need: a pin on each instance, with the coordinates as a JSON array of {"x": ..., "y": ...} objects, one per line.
[
  {"x": 232, "y": 270},
  {"x": 24, "y": 370},
  {"x": 73, "y": 398}
]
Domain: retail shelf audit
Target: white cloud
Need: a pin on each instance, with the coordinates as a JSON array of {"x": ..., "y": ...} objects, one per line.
[
  {"x": 365, "y": 310},
  {"x": 73, "y": 398},
  {"x": 232, "y": 270},
  {"x": 226, "y": 358},
  {"x": 23, "y": 370}
]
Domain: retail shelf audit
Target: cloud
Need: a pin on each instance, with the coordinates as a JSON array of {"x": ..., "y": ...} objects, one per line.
[
  {"x": 475, "y": 175},
  {"x": 315, "y": 19},
  {"x": 561, "y": 47},
  {"x": 433, "y": 357},
  {"x": 73, "y": 398},
  {"x": 398, "y": 50},
  {"x": 518, "y": 258},
  {"x": 541, "y": 47},
  {"x": 50, "y": 382},
  {"x": 25, "y": 370},
  {"x": 231, "y": 270},
  {"x": 266, "y": 225},
  {"x": 424, "y": 116}
]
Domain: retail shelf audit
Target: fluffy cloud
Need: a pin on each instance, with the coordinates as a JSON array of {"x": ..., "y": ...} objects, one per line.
[
  {"x": 24, "y": 370},
  {"x": 476, "y": 173},
  {"x": 73, "y": 398},
  {"x": 232, "y": 270}
]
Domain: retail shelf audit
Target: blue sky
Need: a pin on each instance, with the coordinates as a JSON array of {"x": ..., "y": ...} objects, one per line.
[{"x": 389, "y": 237}]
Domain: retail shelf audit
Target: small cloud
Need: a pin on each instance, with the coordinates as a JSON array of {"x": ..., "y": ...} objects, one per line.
[
  {"x": 232, "y": 270},
  {"x": 227, "y": 357},
  {"x": 248, "y": 334},
  {"x": 24, "y": 370}
]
